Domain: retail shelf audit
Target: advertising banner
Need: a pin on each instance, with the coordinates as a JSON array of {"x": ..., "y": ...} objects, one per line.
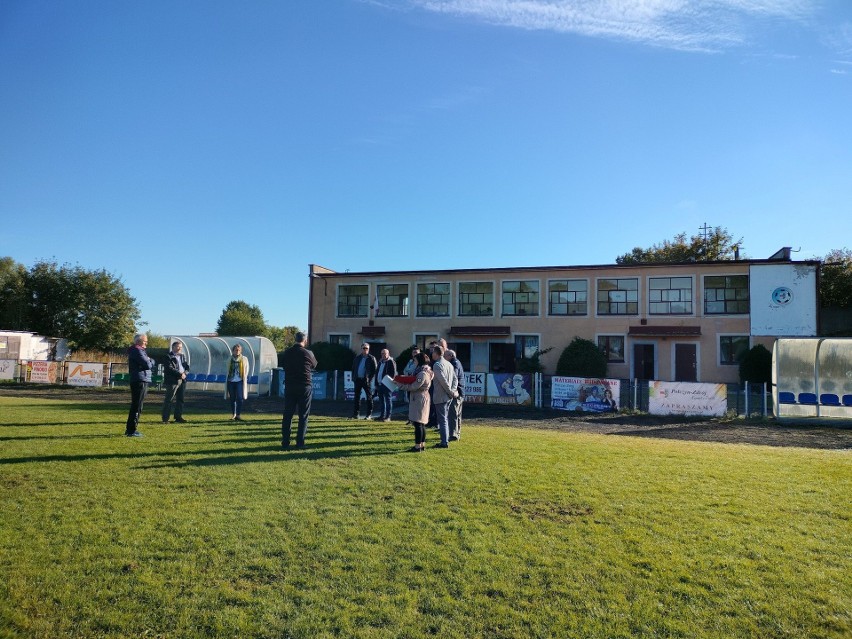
[
  {"x": 85, "y": 374},
  {"x": 586, "y": 394},
  {"x": 783, "y": 299},
  {"x": 474, "y": 388},
  {"x": 349, "y": 389},
  {"x": 506, "y": 388},
  {"x": 7, "y": 368},
  {"x": 687, "y": 398},
  {"x": 319, "y": 381},
  {"x": 41, "y": 372}
]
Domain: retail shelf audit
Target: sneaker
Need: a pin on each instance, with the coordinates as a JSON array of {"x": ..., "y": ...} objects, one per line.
[
  {"x": 238, "y": 419},
  {"x": 440, "y": 445},
  {"x": 386, "y": 419},
  {"x": 285, "y": 445},
  {"x": 300, "y": 447},
  {"x": 166, "y": 421},
  {"x": 453, "y": 438},
  {"x": 134, "y": 434},
  {"x": 181, "y": 421}
]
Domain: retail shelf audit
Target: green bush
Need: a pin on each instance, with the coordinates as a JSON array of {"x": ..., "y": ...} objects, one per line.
[
  {"x": 756, "y": 365},
  {"x": 402, "y": 359},
  {"x": 332, "y": 357},
  {"x": 582, "y": 358}
]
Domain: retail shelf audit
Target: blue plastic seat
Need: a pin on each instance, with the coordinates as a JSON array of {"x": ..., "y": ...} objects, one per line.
[
  {"x": 220, "y": 379},
  {"x": 847, "y": 400},
  {"x": 786, "y": 398},
  {"x": 807, "y": 398},
  {"x": 829, "y": 399},
  {"x": 211, "y": 378},
  {"x": 253, "y": 379}
]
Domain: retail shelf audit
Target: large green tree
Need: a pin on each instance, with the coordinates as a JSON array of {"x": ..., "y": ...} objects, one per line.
[
  {"x": 241, "y": 318},
  {"x": 717, "y": 244},
  {"x": 835, "y": 289},
  {"x": 91, "y": 309},
  {"x": 13, "y": 295}
]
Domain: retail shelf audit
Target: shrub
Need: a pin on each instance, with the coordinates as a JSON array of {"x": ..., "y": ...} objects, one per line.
[
  {"x": 331, "y": 357},
  {"x": 582, "y": 358},
  {"x": 532, "y": 364},
  {"x": 756, "y": 365}
]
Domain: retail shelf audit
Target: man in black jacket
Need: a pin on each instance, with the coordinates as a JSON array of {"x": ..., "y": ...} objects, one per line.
[
  {"x": 175, "y": 377},
  {"x": 363, "y": 372},
  {"x": 298, "y": 364}
]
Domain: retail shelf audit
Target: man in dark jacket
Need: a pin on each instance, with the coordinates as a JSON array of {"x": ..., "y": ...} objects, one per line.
[
  {"x": 363, "y": 373},
  {"x": 140, "y": 366},
  {"x": 298, "y": 363},
  {"x": 175, "y": 377},
  {"x": 456, "y": 404}
]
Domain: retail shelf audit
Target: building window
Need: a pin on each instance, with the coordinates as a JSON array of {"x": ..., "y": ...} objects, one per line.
[
  {"x": 726, "y": 294},
  {"x": 525, "y": 346},
  {"x": 670, "y": 296},
  {"x": 520, "y": 298},
  {"x": 618, "y": 296},
  {"x": 393, "y": 300},
  {"x": 433, "y": 300},
  {"x": 612, "y": 346},
  {"x": 732, "y": 348},
  {"x": 352, "y": 300},
  {"x": 568, "y": 297},
  {"x": 476, "y": 299},
  {"x": 343, "y": 340}
]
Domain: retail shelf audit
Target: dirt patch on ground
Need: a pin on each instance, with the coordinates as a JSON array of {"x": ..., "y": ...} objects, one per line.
[{"x": 767, "y": 432}]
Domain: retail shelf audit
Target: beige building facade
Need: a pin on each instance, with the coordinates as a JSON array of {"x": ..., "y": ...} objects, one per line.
[{"x": 675, "y": 322}]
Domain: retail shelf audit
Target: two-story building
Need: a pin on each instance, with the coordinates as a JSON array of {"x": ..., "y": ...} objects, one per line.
[{"x": 680, "y": 322}]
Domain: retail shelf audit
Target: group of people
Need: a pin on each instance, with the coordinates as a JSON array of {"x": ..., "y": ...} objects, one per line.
[
  {"x": 434, "y": 381},
  {"x": 141, "y": 368}
]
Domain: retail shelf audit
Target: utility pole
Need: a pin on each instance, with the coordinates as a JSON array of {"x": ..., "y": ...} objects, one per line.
[{"x": 704, "y": 231}]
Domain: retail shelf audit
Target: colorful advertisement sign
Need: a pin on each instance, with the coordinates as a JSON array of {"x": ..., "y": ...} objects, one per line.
[
  {"x": 85, "y": 374},
  {"x": 319, "y": 382},
  {"x": 506, "y": 388},
  {"x": 585, "y": 394},
  {"x": 687, "y": 398},
  {"x": 7, "y": 368},
  {"x": 474, "y": 388},
  {"x": 41, "y": 372}
]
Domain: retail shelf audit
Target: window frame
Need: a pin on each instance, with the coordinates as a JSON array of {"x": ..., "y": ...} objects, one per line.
[
  {"x": 550, "y": 302},
  {"x": 607, "y": 350},
  {"x": 461, "y": 305},
  {"x": 690, "y": 300},
  {"x": 503, "y": 312},
  {"x": 449, "y": 296},
  {"x": 348, "y": 337},
  {"x": 734, "y": 300},
  {"x": 366, "y": 312},
  {"x": 609, "y": 302},
  {"x": 406, "y": 304},
  {"x": 720, "y": 350}
]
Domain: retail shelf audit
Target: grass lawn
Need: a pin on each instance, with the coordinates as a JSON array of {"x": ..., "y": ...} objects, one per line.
[{"x": 209, "y": 530}]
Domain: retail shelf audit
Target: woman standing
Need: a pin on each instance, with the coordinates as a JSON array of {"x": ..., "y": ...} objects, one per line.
[
  {"x": 236, "y": 385},
  {"x": 418, "y": 400}
]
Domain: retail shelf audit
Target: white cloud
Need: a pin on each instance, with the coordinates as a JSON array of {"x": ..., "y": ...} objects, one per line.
[{"x": 692, "y": 25}]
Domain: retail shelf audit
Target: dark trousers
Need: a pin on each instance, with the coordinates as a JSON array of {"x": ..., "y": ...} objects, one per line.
[
  {"x": 138, "y": 390},
  {"x": 385, "y": 400},
  {"x": 296, "y": 399},
  {"x": 419, "y": 433},
  {"x": 174, "y": 393},
  {"x": 362, "y": 384},
  {"x": 235, "y": 396}
]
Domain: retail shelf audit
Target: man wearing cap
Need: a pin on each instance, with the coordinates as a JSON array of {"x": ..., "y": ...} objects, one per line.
[{"x": 363, "y": 373}]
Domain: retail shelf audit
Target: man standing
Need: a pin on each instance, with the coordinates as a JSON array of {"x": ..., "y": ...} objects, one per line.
[
  {"x": 387, "y": 366},
  {"x": 363, "y": 372},
  {"x": 444, "y": 391},
  {"x": 456, "y": 404},
  {"x": 298, "y": 363},
  {"x": 140, "y": 366},
  {"x": 175, "y": 374}
]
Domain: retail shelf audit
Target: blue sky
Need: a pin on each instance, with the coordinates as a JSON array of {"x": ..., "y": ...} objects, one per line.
[{"x": 206, "y": 151}]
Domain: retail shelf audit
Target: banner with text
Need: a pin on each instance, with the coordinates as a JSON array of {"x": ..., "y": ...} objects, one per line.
[
  {"x": 506, "y": 388},
  {"x": 85, "y": 374},
  {"x": 585, "y": 394},
  {"x": 474, "y": 388},
  {"x": 41, "y": 372},
  {"x": 687, "y": 398}
]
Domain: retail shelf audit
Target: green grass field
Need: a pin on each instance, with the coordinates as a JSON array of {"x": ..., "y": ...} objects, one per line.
[{"x": 209, "y": 530}]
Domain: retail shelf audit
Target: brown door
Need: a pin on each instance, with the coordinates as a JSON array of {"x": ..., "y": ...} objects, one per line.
[
  {"x": 643, "y": 361},
  {"x": 686, "y": 363},
  {"x": 501, "y": 358}
]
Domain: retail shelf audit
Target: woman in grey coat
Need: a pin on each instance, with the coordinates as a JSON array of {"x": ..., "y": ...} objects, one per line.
[{"x": 418, "y": 400}]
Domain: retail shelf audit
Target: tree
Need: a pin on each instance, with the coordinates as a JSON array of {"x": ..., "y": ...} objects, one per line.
[
  {"x": 718, "y": 245},
  {"x": 532, "y": 364},
  {"x": 13, "y": 295},
  {"x": 241, "y": 318},
  {"x": 756, "y": 365},
  {"x": 835, "y": 288},
  {"x": 582, "y": 358},
  {"x": 283, "y": 337},
  {"x": 91, "y": 309}
]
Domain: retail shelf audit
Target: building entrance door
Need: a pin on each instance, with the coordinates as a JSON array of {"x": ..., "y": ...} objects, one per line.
[
  {"x": 686, "y": 363},
  {"x": 643, "y": 361},
  {"x": 501, "y": 358}
]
